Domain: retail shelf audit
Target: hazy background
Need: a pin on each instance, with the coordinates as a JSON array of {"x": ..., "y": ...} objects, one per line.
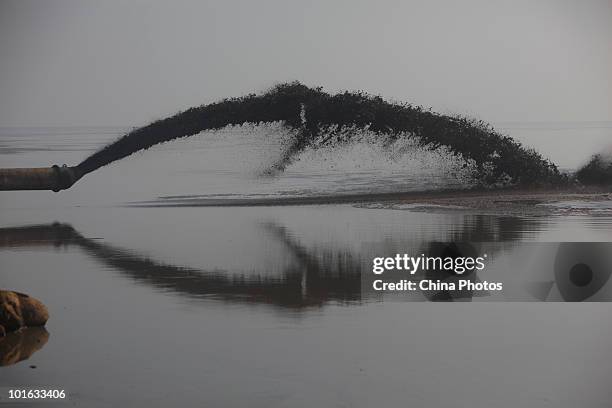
[{"x": 92, "y": 63}]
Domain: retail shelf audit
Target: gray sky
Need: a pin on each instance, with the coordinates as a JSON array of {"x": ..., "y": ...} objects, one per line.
[{"x": 81, "y": 63}]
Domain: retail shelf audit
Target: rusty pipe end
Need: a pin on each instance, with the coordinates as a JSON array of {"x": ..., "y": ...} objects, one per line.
[
  {"x": 66, "y": 176},
  {"x": 55, "y": 178}
]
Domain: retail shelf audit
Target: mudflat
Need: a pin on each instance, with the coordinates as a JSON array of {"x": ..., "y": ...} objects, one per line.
[{"x": 518, "y": 201}]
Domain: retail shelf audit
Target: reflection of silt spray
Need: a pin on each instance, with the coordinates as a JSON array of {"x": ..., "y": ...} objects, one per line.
[{"x": 452, "y": 250}]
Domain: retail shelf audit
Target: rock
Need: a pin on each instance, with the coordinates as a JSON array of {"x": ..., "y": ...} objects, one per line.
[{"x": 18, "y": 310}]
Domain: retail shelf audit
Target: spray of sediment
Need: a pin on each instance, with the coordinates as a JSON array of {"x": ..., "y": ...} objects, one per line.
[
  {"x": 318, "y": 119},
  {"x": 598, "y": 170}
]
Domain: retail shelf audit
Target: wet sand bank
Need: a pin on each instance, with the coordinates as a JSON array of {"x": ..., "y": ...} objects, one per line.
[{"x": 531, "y": 201}]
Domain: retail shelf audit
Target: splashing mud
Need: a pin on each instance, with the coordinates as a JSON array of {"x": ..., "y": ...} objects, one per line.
[
  {"x": 317, "y": 120},
  {"x": 597, "y": 171}
]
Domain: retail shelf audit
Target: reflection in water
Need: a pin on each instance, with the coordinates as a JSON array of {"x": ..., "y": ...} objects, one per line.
[
  {"x": 307, "y": 283},
  {"x": 454, "y": 251},
  {"x": 490, "y": 228},
  {"x": 313, "y": 277},
  {"x": 20, "y": 345}
]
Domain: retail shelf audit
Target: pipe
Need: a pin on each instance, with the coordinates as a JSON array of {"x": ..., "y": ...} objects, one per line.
[{"x": 54, "y": 178}]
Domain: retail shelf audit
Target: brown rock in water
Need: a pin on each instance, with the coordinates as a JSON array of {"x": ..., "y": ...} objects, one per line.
[{"x": 18, "y": 310}]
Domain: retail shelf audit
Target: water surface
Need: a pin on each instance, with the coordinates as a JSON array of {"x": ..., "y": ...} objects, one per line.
[{"x": 263, "y": 306}]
